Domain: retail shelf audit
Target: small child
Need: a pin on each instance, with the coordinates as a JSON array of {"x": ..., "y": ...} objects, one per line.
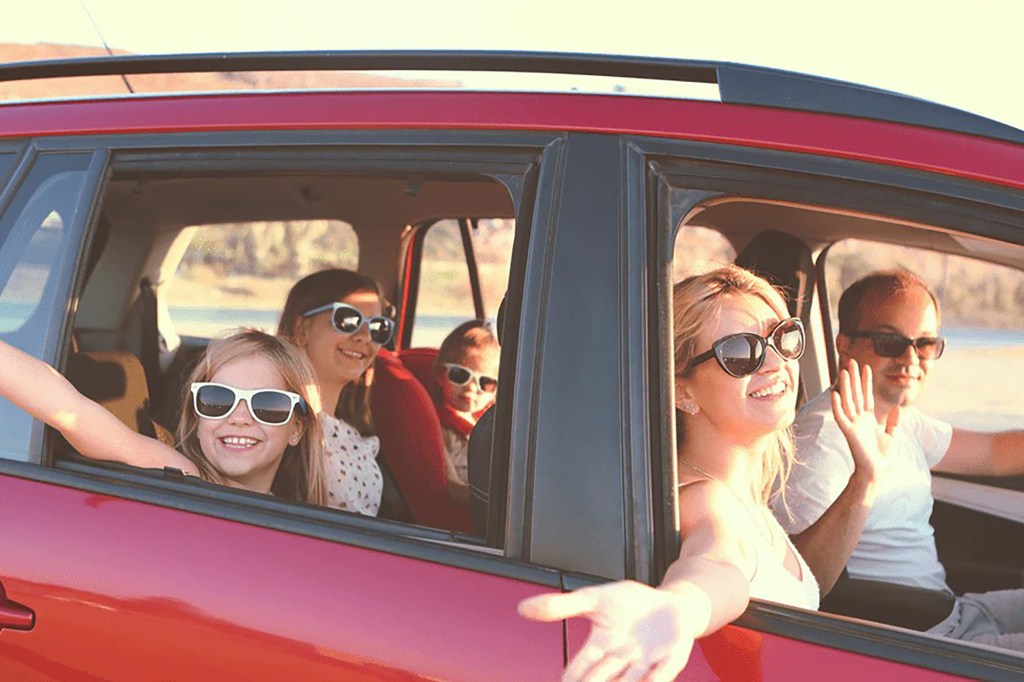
[{"x": 467, "y": 370}]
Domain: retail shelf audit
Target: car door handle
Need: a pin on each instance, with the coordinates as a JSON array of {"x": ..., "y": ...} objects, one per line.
[{"x": 13, "y": 615}]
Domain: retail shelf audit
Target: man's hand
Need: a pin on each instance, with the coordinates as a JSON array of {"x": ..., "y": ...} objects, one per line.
[
  {"x": 638, "y": 632},
  {"x": 853, "y": 404}
]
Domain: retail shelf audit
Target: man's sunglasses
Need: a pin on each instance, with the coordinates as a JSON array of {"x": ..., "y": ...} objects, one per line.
[
  {"x": 460, "y": 376},
  {"x": 740, "y": 355},
  {"x": 348, "y": 320},
  {"x": 269, "y": 406},
  {"x": 892, "y": 345}
]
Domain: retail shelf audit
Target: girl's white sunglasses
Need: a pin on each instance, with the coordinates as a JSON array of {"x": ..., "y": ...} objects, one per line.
[{"x": 270, "y": 406}]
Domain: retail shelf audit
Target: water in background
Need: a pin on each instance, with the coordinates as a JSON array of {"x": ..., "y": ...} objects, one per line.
[{"x": 430, "y": 330}]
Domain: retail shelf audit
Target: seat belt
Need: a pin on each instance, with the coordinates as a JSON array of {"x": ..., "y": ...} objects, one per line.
[{"x": 150, "y": 352}]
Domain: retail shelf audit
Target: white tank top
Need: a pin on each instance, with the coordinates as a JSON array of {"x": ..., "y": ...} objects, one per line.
[{"x": 771, "y": 580}]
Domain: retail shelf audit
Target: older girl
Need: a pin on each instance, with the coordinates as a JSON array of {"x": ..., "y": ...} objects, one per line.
[
  {"x": 337, "y": 318},
  {"x": 252, "y": 397},
  {"x": 736, "y": 352}
]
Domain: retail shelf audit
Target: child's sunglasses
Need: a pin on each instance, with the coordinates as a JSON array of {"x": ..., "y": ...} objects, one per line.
[
  {"x": 460, "y": 376},
  {"x": 348, "y": 320},
  {"x": 741, "y": 355},
  {"x": 892, "y": 345},
  {"x": 269, "y": 406}
]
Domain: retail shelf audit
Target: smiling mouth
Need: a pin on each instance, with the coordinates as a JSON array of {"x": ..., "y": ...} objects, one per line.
[
  {"x": 775, "y": 390},
  {"x": 355, "y": 355},
  {"x": 238, "y": 442}
]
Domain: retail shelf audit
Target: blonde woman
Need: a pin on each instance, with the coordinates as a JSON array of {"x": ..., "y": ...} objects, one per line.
[
  {"x": 736, "y": 352},
  {"x": 250, "y": 425}
]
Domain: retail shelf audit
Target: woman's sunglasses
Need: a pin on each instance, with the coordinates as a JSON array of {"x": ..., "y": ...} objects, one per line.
[
  {"x": 741, "y": 355},
  {"x": 348, "y": 320},
  {"x": 460, "y": 376},
  {"x": 892, "y": 345},
  {"x": 268, "y": 406}
]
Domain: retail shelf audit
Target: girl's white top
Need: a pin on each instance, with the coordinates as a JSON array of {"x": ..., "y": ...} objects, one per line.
[{"x": 354, "y": 482}]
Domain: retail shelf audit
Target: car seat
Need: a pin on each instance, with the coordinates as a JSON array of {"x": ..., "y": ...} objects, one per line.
[
  {"x": 786, "y": 262},
  {"x": 411, "y": 445},
  {"x": 116, "y": 380}
]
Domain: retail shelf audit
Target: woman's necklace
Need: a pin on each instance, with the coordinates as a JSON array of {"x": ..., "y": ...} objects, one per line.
[{"x": 760, "y": 522}]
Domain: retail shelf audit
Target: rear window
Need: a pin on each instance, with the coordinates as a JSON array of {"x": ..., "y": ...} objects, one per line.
[{"x": 239, "y": 274}]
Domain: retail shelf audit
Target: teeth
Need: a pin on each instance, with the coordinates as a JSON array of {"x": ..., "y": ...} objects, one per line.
[
  {"x": 774, "y": 389},
  {"x": 352, "y": 354},
  {"x": 239, "y": 441}
]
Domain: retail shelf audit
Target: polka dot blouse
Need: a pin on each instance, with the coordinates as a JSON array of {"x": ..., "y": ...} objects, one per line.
[{"x": 354, "y": 482}]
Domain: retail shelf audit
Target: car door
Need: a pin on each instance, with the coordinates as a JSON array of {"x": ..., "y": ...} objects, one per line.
[
  {"x": 604, "y": 446},
  {"x": 110, "y": 572}
]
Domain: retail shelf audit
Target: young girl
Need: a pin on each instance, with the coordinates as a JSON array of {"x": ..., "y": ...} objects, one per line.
[
  {"x": 336, "y": 317},
  {"x": 736, "y": 352},
  {"x": 467, "y": 370},
  {"x": 248, "y": 427}
]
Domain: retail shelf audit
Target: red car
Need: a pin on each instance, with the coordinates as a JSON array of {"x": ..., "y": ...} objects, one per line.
[{"x": 134, "y": 228}]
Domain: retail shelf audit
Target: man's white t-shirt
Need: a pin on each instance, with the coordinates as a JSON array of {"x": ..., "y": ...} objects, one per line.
[{"x": 898, "y": 542}]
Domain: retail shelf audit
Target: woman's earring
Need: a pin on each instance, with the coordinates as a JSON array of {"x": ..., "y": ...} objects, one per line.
[
  {"x": 294, "y": 440},
  {"x": 691, "y": 408}
]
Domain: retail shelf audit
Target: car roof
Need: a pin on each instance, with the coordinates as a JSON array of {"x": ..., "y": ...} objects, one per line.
[{"x": 737, "y": 83}]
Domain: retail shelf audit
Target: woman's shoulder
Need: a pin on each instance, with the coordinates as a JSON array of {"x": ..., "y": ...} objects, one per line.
[{"x": 703, "y": 500}]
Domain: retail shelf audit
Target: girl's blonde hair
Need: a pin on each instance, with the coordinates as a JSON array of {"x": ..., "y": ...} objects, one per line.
[
  {"x": 322, "y": 288},
  {"x": 301, "y": 476},
  {"x": 699, "y": 298}
]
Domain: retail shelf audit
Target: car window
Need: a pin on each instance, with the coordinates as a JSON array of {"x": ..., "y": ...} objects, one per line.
[
  {"x": 32, "y": 272},
  {"x": 445, "y": 293},
  {"x": 239, "y": 274},
  {"x": 699, "y": 249},
  {"x": 982, "y": 305},
  {"x": 222, "y": 250}
]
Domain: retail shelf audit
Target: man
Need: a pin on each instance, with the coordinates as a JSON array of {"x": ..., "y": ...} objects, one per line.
[{"x": 879, "y": 528}]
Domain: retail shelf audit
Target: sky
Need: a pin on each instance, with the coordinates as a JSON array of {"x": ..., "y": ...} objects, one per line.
[{"x": 967, "y": 54}]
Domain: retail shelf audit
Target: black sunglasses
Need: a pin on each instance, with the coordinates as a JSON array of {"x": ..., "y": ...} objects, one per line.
[
  {"x": 269, "y": 406},
  {"x": 348, "y": 320},
  {"x": 893, "y": 345},
  {"x": 740, "y": 355},
  {"x": 460, "y": 376}
]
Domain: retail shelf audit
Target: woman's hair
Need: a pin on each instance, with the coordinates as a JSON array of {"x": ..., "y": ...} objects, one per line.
[
  {"x": 699, "y": 298},
  {"x": 322, "y": 288},
  {"x": 301, "y": 476},
  {"x": 472, "y": 334}
]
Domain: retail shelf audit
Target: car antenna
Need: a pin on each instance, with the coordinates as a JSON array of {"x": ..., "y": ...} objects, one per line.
[{"x": 103, "y": 40}]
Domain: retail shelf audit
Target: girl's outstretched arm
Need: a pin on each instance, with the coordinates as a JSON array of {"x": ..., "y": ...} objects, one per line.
[{"x": 93, "y": 431}]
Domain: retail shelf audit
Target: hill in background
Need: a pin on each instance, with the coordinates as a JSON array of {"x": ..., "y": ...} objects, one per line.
[{"x": 180, "y": 82}]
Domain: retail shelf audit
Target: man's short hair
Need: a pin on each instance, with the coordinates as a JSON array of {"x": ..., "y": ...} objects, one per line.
[{"x": 886, "y": 283}]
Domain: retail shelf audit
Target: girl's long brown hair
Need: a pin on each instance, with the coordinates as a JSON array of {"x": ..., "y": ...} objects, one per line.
[
  {"x": 322, "y": 288},
  {"x": 300, "y": 476}
]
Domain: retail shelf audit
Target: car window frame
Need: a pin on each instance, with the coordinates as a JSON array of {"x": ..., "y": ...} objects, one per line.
[
  {"x": 513, "y": 155},
  {"x": 676, "y": 177},
  {"x": 411, "y": 279}
]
